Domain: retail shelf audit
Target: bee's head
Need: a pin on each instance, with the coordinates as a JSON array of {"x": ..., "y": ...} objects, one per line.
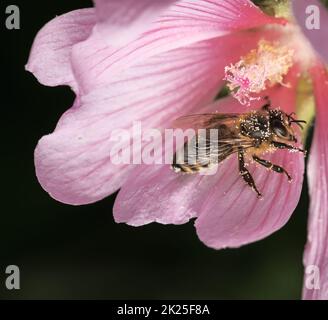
[{"x": 281, "y": 125}]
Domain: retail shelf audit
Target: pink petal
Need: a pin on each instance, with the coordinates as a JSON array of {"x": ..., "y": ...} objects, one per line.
[
  {"x": 157, "y": 194},
  {"x": 121, "y": 21},
  {"x": 232, "y": 215},
  {"x": 49, "y": 59},
  {"x": 304, "y": 16},
  {"x": 183, "y": 24},
  {"x": 73, "y": 163},
  {"x": 316, "y": 252},
  {"x": 229, "y": 213}
]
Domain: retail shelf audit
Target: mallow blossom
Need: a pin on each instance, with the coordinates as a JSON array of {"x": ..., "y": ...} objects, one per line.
[{"x": 156, "y": 61}]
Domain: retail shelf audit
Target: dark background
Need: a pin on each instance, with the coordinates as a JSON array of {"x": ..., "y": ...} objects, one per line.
[{"x": 79, "y": 252}]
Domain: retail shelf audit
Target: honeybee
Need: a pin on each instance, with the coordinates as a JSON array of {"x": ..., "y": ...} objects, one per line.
[{"x": 247, "y": 134}]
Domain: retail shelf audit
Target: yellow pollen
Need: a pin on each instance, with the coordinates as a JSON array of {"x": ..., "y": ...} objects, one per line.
[{"x": 261, "y": 68}]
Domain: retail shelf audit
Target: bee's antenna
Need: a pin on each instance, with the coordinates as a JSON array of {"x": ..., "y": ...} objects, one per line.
[
  {"x": 291, "y": 119},
  {"x": 298, "y": 122}
]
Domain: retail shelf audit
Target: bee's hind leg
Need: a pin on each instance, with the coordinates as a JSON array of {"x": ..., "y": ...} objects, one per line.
[
  {"x": 272, "y": 167},
  {"x": 245, "y": 173}
]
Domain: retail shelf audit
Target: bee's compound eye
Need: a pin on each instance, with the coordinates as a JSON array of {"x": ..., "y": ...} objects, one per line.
[{"x": 279, "y": 129}]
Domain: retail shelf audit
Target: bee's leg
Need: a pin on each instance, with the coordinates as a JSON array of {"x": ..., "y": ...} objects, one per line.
[
  {"x": 281, "y": 145},
  {"x": 245, "y": 173},
  {"x": 272, "y": 167}
]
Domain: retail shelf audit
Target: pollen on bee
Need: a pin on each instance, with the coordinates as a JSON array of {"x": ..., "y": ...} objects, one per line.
[{"x": 261, "y": 68}]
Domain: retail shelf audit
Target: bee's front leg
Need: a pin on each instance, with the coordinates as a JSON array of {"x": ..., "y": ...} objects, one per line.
[
  {"x": 272, "y": 167},
  {"x": 245, "y": 173},
  {"x": 281, "y": 145}
]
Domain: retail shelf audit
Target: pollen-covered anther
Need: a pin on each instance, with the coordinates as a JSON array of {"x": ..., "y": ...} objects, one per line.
[{"x": 261, "y": 68}]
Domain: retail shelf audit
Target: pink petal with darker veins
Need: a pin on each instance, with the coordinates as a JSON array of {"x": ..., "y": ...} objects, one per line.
[
  {"x": 183, "y": 24},
  {"x": 307, "y": 12},
  {"x": 232, "y": 215},
  {"x": 316, "y": 252},
  {"x": 121, "y": 21},
  {"x": 229, "y": 213},
  {"x": 73, "y": 163},
  {"x": 50, "y": 57}
]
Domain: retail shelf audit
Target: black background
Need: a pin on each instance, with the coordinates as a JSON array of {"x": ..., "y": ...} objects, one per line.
[{"x": 79, "y": 252}]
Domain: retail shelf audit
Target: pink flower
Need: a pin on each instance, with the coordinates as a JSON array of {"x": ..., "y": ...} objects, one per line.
[{"x": 122, "y": 71}]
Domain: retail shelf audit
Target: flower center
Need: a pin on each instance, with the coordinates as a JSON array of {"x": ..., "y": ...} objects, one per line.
[{"x": 261, "y": 68}]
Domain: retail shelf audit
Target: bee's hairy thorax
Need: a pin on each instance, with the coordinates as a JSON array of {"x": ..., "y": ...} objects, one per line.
[{"x": 256, "y": 126}]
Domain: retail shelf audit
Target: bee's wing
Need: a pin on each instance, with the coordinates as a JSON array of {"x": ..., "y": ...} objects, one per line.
[
  {"x": 201, "y": 153},
  {"x": 205, "y": 120},
  {"x": 209, "y": 147}
]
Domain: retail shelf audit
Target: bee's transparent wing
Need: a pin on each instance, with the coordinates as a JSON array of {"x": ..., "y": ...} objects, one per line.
[{"x": 204, "y": 120}]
